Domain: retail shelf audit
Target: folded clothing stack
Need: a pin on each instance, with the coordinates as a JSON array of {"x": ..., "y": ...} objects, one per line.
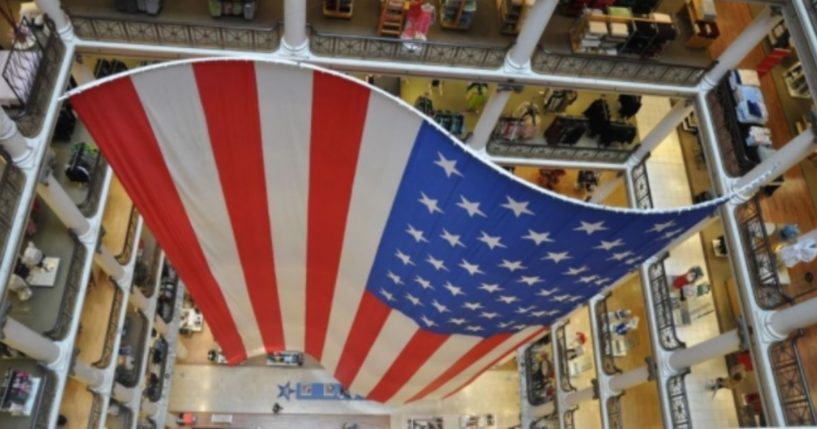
[{"x": 759, "y": 136}]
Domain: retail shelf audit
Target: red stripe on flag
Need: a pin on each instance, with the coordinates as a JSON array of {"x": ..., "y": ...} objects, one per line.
[
  {"x": 422, "y": 345},
  {"x": 132, "y": 150},
  {"x": 233, "y": 122},
  {"x": 369, "y": 320},
  {"x": 477, "y": 351},
  {"x": 338, "y": 116},
  {"x": 495, "y": 361}
]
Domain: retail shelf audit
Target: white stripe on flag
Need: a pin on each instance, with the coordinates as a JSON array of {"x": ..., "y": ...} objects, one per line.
[
  {"x": 180, "y": 128},
  {"x": 285, "y": 107},
  {"x": 379, "y": 171},
  {"x": 389, "y": 345},
  {"x": 449, "y": 352}
]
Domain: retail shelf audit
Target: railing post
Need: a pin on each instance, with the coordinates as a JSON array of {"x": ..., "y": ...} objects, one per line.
[
  {"x": 17, "y": 146},
  {"x": 295, "y": 42},
  {"x": 53, "y": 9},
  {"x": 601, "y": 345}
]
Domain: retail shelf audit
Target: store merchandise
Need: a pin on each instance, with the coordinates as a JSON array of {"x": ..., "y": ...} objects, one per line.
[
  {"x": 557, "y": 100},
  {"x": 759, "y": 136},
  {"x": 452, "y": 122},
  {"x": 587, "y": 181},
  {"x": 619, "y": 31},
  {"x": 476, "y": 95},
  {"x": 81, "y": 164},
  {"x": 566, "y": 130},
  {"x": 457, "y": 14},
  {"x": 629, "y": 105},
  {"x": 649, "y": 37},
  {"x": 425, "y": 105},
  {"x": 338, "y": 8},
  {"x": 243, "y": 8},
  {"x": 795, "y": 80},
  {"x": 576, "y": 7},
  {"x": 703, "y": 21},
  {"x": 150, "y": 7},
  {"x": 15, "y": 392},
  {"x": 419, "y": 18},
  {"x": 392, "y": 18},
  {"x": 598, "y": 113},
  {"x": 512, "y": 14},
  {"x": 549, "y": 179}
]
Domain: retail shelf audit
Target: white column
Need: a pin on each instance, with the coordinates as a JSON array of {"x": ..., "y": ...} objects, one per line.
[
  {"x": 181, "y": 350},
  {"x": 92, "y": 377},
  {"x": 54, "y": 11},
  {"x": 107, "y": 261},
  {"x": 799, "y": 316},
  {"x": 741, "y": 46},
  {"x": 122, "y": 394},
  {"x": 26, "y": 340},
  {"x": 295, "y": 41},
  {"x": 536, "y": 19},
  {"x": 721, "y": 345},
  {"x": 490, "y": 115},
  {"x": 781, "y": 161},
  {"x": 63, "y": 206},
  {"x": 661, "y": 130},
  {"x": 629, "y": 379},
  {"x": 601, "y": 193},
  {"x": 575, "y": 398},
  {"x": 139, "y": 300},
  {"x": 149, "y": 408},
  {"x": 82, "y": 71},
  {"x": 17, "y": 146}
]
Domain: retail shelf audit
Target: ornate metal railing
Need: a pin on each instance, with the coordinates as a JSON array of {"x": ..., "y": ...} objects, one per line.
[
  {"x": 31, "y": 73},
  {"x": 136, "y": 30},
  {"x": 47, "y": 393},
  {"x": 629, "y": 69},
  {"x": 129, "y": 378},
  {"x": 91, "y": 203},
  {"x": 153, "y": 268},
  {"x": 729, "y": 135},
  {"x": 537, "y": 380},
  {"x": 659, "y": 286},
  {"x": 393, "y": 49},
  {"x": 570, "y": 420},
  {"x": 146, "y": 424},
  {"x": 564, "y": 371},
  {"x": 641, "y": 185},
  {"x": 127, "y": 248},
  {"x": 679, "y": 403},
  {"x": 112, "y": 331},
  {"x": 762, "y": 260},
  {"x": 154, "y": 393},
  {"x": 605, "y": 330},
  {"x": 73, "y": 283},
  {"x": 614, "y": 415},
  {"x": 12, "y": 181},
  {"x": 532, "y": 150},
  {"x": 95, "y": 417},
  {"x": 791, "y": 382}
]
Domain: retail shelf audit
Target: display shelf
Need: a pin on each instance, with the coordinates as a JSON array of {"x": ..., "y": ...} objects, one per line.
[
  {"x": 795, "y": 81},
  {"x": 392, "y": 17},
  {"x": 512, "y": 14},
  {"x": 457, "y": 14},
  {"x": 338, "y": 8}
]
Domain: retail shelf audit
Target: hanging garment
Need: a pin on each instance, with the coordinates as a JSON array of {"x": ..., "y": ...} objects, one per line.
[
  {"x": 419, "y": 18},
  {"x": 630, "y": 105},
  {"x": 425, "y": 105},
  {"x": 476, "y": 95}
]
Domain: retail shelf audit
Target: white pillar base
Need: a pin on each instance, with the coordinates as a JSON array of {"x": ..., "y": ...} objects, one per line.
[
  {"x": 300, "y": 51},
  {"x": 122, "y": 394},
  {"x": 26, "y": 340},
  {"x": 94, "y": 378},
  {"x": 107, "y": 261},
  {"x": 18, "y": 147}
]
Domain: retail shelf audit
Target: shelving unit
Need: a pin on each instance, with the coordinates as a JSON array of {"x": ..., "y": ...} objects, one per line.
[
  {"x": 338, "y": 8},
  {"x": 613, "y": 34},
  {"x": 392, "y": 17},
  {"x": 512, "y": 14},
  {"x": 457, "y": 14},
  {"x": 795, "y": 80}
]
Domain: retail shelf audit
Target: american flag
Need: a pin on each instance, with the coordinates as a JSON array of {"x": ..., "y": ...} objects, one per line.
[{"x": 305, "y": 210}]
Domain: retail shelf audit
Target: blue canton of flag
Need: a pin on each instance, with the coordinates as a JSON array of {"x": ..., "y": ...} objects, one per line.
[{"x": 468, "y": 251}]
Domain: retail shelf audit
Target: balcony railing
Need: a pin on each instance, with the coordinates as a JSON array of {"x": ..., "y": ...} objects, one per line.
[
  {"x": 91, "y": 203},
  {"x": 133, "y": 343},
  {"x": 112, "y": 330},
  {"x": 154, "y": 392},
  {"x": 135, "y": 30},
  {"x": 127, "y": 248},
  {"x": 791, "y": 382},
  {"x": 31, "y": 73},
  {"x": 12, "y": 180},
  {"x": 48, "y": 392},
  {"x": 570, "y": 419},
  {"x": 95, "y": 418},
  {"x": 537, "y": 374},
  {"x": 614, "y": 415},
  {"x": 169, "y": 289},
  {"x": 628, "y": 69},
  {"x": 641, "y": 183},
  {"x": 769, "y": 292},
  {"x": 564, "y": 371},
  {"x": 533, "y": 150},
  {"x": 659, "y": 286},
  {"x": 605, "y": 330},
  {"x": 147, "y": 269},
  {"x": 415, "y": 51},
  {"x": 73, "y": 283},
  {"x": 679, "y": 403}
]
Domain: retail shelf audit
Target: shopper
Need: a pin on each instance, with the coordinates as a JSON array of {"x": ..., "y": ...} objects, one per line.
[{"x": 725, "y": 382}]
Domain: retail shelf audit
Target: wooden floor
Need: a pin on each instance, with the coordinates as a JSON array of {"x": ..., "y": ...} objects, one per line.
[
  {"x": 95, "y": 316},
  {"x": 76, "y": 404},
  {"x": 116, "y": 217}
]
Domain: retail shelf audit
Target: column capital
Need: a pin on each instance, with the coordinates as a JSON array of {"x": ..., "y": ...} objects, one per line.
[
  {"x": 510, "y": 66},
  {"x": 300, "y": 51},
  {"x": 765, "y": 331}
]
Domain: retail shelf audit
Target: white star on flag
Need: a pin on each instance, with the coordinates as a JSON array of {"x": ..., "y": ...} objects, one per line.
[
  {"x": 512, "y": 265},
  {"x": 474, "y": 328},
  {"x": 428, "y": 322},
  {"x": 619, "y": 256},
  {"x": 490, "y": 288},
  {"x": 658, "y": 227},
  {"x": 530, "y": 280},
  {"x": 538, "y": 237},
  {"x": 450, "y": 166},
  {"x": 438, "y": 264},
  {"x": 386, "y": 294},
  {"x": 673, "y": 233},
  {"x": 471, "y": 268},
  {"x": 517, "y": 207},
  {"x": 440, "y": 307},
  {"x": 561, "y": 298},
  {"x": 457, "y": 321},
  {"x": 425, "y": 284},
  {"x": 557, "y": 256},
  {"x": 508, "y": 299},
  {"x": 414, "y": 300},
  {"x": 405, "y": 259},
  {"x": 472, "y": 305},
  {"x": 471, "y": 207},
  {"x": 417, "y": 234},
  {"x": 590, "y": 228},
  {"x": 453, "y": 240},
  {"x": 608, "y": 245},
  {"x": 455, "y": 290},
  {"x": 575, "y": 271},
  {"x": 524, "y": 310},
  {"x": 588, "y": 279},
  {"x": 394, "y": 278},
  {"x": 488, "y": 315},
  {"x": 546, "y": 292},
  {"x": 490, "y": 241},
  {"x": 430, "y": 204}
]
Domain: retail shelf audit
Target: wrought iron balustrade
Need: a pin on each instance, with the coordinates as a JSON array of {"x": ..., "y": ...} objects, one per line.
[
  {"x": 531, "y": 150},
  {"x": 564, "y": 372},
  {"x": 762, "y": 261},
  {"x": 605, "y": 332},
  {"x": 641, "y": 183},
  {"x": 112, "y": 331},
  {"x": 615, "y": 67},
  {"x": 730, "y": 140},
  {"x": 679, "y": 403},
  {"x": 536, "y": 373},
  {"x": 91, "y": 203},
  {"x": 47, "y": 393},
  {"x": 791, "y": 381},
  {"x": 73, "y": 283},
  {"x": 12, "y": 181},
  {"x": 662, "y": 303},
  {"x": 31, "y": 71},
  {"x": 127, "y": 248},
  {"x": 614, "y": 415},
  {"x": 95, "y": 417},
  {"x": 154, "y": 393},
  {"x": 570, "y": 419},
  {"x": 149, "y": 31},
  {"x": 415, "y": 51}
]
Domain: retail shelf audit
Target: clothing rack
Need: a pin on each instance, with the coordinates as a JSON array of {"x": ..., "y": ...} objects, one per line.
[
  {"x": 566, "y": 130},
  {"x": 557, "y": 100}
]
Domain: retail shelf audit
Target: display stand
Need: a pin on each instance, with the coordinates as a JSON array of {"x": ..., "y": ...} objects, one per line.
[
  {"x": 622, "y": 33},
  {"x": 392, "y": 17},
  {"x": 457, "y": 14},
  {"x": 512, "y": 14},
  {"x": 338, "y": 8},
  {"x": 18, "y": 392},
  {"x": 704, "y": 24},
  {"x": 795, "y": 80}
]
